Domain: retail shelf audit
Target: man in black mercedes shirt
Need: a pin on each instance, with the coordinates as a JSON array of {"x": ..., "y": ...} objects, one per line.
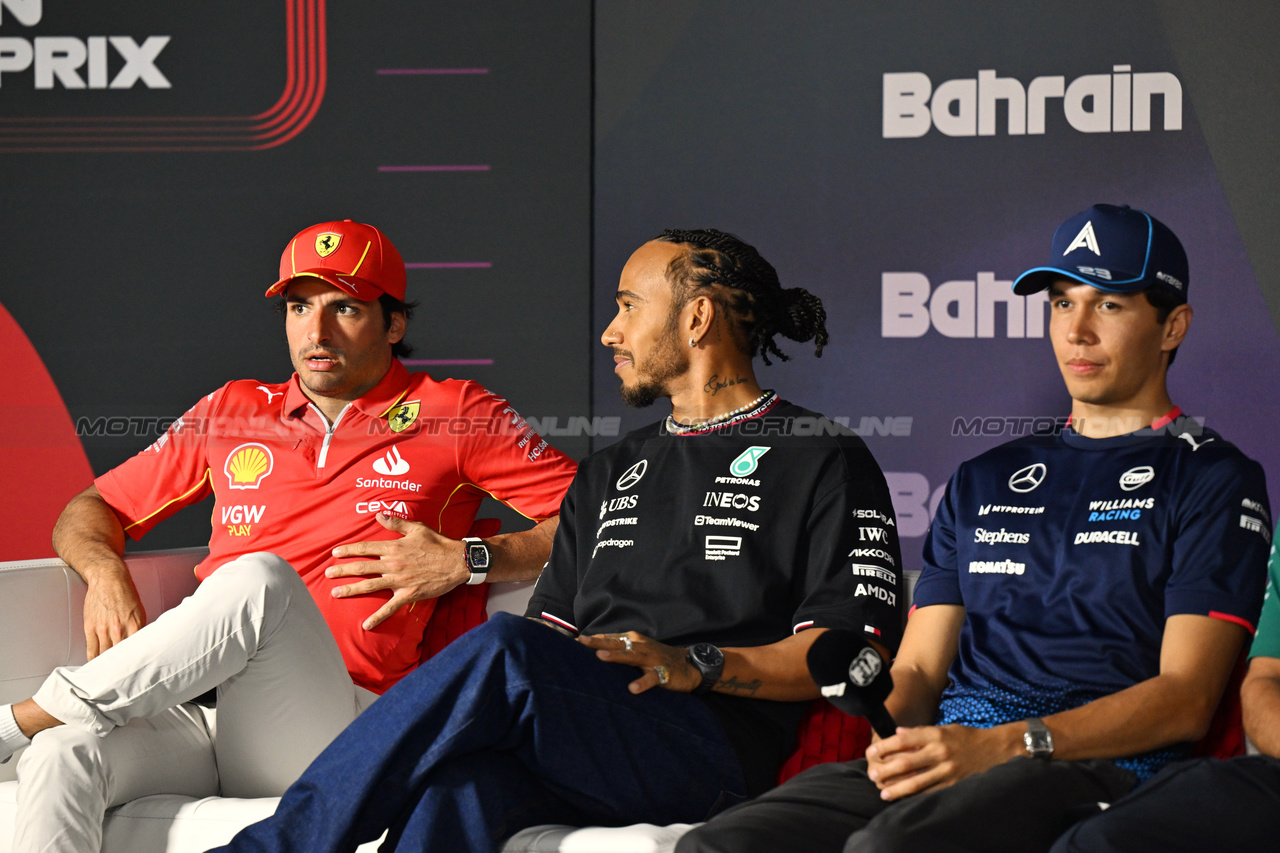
[{"x": 701, "y": 555}]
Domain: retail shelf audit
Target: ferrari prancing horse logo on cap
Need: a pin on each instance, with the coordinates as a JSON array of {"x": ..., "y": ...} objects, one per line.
[{"x": 327, "y": 243}]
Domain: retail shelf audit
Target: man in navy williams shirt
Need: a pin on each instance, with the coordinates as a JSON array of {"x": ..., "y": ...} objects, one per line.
[{"x": 1084, "y": 598}]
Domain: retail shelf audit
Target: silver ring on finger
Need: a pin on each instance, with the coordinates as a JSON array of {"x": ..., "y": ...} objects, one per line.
[
  {"x": 626, "y": 643},
  {"x": 664, "y": 674}
]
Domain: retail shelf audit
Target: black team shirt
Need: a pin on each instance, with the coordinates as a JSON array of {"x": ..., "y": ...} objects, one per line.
[{"x": 740, "y": 535}]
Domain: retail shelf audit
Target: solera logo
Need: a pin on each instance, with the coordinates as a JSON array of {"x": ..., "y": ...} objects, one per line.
[{"x": 1094, "y": 103}]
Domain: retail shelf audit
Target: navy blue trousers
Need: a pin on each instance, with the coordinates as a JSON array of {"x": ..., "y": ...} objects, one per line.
[{"x": 510, "y": 726}]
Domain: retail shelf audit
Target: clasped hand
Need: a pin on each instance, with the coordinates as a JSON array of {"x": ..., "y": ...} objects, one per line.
[
  {"x": 421, "y": 564},
  {"x": 926, "y": 757}
]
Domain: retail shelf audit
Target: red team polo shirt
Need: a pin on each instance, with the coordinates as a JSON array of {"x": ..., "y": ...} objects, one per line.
[{"x": 286, "y": 482}]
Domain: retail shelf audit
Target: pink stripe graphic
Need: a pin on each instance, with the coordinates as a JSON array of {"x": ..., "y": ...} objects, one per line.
[
  {"x": 433, "y": 168},
  {"x": 433, "y": 71},
  {"x": 427, "y": 362}
]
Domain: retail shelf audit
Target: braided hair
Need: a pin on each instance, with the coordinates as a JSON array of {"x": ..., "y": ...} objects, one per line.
[{"x": 752, "y": 294}]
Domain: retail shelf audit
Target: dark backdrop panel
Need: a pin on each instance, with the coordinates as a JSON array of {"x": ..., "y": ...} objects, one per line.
[
  {"x": 138, "y": 275},
  {"x": 766, "y": 119}
]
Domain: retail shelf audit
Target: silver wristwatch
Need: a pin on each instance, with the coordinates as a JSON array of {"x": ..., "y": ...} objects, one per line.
[{"x": 1038, "y": 739}]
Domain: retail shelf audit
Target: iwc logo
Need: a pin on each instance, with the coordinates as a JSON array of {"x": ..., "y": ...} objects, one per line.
[
  {"x": 1135, "y": 478},
  {"x": 1027, "y": 479},
  {"x": 632, "y": 475},
  {"x": 327, "y": 243},
  {"x": 745, "y": 465}
]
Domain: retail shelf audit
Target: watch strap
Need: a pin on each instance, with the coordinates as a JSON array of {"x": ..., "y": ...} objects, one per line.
[{"x": 479, "y": 574}]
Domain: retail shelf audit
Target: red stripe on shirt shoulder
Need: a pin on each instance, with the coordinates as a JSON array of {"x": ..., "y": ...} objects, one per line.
[{"x": 1227, "y": 617}]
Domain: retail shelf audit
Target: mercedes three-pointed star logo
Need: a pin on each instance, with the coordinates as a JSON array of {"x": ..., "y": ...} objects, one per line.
[
  {"x": 1026, "y": 479},
  {"x": 632, "y": 475}
]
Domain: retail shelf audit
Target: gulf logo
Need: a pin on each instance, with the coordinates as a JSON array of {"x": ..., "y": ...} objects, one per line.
[{"x": 248, "y": 465}]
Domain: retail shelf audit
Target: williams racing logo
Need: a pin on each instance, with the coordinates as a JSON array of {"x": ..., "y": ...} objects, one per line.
[
  {"x": 248, "y": 465},
  {"x": 402, "y": 416}
]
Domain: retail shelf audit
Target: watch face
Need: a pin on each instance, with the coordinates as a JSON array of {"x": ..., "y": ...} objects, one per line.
[
  {"x": 478, "y": 556},
  {"x": 706, "y": 654}
]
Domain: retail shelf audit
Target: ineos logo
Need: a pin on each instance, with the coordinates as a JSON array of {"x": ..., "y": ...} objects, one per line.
[
  {"x": 1137, "y": 477},
  {"x": 632, "y": 475},
  {"x": 1026, "y": 479}
]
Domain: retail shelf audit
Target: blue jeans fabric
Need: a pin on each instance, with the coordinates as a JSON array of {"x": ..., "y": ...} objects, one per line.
[{"x": 510, "y": 726}]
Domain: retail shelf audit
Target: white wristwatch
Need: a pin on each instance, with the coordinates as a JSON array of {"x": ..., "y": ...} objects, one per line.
[{"x": 476, "y": 553}]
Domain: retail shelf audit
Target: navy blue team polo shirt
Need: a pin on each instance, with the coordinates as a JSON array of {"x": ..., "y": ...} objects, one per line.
[{"x": 1068, "y": 554}]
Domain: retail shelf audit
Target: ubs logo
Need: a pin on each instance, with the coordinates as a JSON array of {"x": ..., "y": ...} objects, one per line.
[
  {"x": 632, "y": 475},
  {"x": 1027, "y": 479}
]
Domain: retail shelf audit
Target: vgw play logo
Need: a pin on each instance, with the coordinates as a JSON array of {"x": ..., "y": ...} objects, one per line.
[
  {"x": 1118, "y": 102},
  {"x": 72, "y": 62}
]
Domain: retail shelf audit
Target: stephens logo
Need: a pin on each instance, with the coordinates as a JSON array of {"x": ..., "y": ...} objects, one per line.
[
  {"x": 632, "y": 475},
  {"x": 745, "y": 465},
  {"x": 248, "y": 465}
]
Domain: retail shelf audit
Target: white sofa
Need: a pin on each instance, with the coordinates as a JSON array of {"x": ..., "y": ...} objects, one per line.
[{"x": 41, "y": 628}]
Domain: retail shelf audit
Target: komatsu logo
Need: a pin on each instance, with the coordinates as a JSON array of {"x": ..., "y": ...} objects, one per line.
[
  {"x": 60, "y": 60},
  {"x": 1118, "y": 102}
]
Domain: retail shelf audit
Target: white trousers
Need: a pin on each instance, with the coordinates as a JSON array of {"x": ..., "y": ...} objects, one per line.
[{"x": 253, "y": 631}]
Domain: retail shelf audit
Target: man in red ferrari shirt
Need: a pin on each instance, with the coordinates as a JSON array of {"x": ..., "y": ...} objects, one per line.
[{"x": 353, "y": 452}]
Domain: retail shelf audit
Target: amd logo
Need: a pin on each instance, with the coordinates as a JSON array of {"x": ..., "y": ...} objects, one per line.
[
  {"x": 60, "y": 58},
  {"x": 1118, "y": 102},
  {"x": 909, "y": 307}
]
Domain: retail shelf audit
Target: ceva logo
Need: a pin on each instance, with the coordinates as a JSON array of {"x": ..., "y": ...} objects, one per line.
[{"x": 1118, "y": 102}]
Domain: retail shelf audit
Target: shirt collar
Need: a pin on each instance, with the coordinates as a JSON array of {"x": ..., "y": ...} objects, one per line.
[{"x": 375, "y": 403}]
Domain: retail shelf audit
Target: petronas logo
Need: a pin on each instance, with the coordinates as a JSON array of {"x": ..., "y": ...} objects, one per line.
[{"x": 745, "y": 465}]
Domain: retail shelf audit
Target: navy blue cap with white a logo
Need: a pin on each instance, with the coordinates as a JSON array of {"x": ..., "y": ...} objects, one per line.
[{"x": 1117, "y": 249}]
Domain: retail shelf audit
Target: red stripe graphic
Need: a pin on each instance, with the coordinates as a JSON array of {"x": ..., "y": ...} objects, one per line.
[{"x": 306, "y": 77}]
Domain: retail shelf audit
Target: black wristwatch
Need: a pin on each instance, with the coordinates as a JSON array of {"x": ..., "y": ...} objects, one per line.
[
  {"x": 477, "y": 557},
  {"x": 1038, "y": 739},
  {"x": 709, "y": 661}
]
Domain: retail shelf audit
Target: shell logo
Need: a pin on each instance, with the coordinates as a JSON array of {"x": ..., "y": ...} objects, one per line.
[{"x": 248, "y": 465}]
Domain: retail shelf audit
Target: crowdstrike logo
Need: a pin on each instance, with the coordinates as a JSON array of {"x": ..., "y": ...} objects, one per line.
[
  {"x": 392, "y": 464},
  {"x": 1118, "y": 102}
]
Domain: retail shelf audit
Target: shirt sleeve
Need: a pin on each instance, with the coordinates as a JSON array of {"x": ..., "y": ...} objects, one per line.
[
  {"x": 851, "y": 555},
  {"x": 557, "y": 586},
  {"x": 170, "y": 474},
  {"x": 1220, "y": 553},
  {"x": 505, "y": 457},
  {"x": 939, "y": 581},
  {"x": 1266, "y": 643}
]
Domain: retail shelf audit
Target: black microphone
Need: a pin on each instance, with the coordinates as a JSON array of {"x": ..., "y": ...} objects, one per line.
[{"x": 853, "y": 677}]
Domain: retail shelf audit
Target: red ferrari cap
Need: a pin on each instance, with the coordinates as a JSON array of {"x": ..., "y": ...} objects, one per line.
[{"x": 351, "y": 256}]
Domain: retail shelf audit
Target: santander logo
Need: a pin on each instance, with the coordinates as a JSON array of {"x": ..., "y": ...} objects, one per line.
[{"x": 391, "y": 464}]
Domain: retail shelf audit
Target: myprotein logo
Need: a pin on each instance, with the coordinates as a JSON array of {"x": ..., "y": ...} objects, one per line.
[
  {"x": 965, "y": 308},
  {"x": 48, "y": 58},
  {"x": 1119, "y": 102}
]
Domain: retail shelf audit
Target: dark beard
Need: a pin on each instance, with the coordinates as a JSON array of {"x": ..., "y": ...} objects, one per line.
[{"x": 664, "y": 363}]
